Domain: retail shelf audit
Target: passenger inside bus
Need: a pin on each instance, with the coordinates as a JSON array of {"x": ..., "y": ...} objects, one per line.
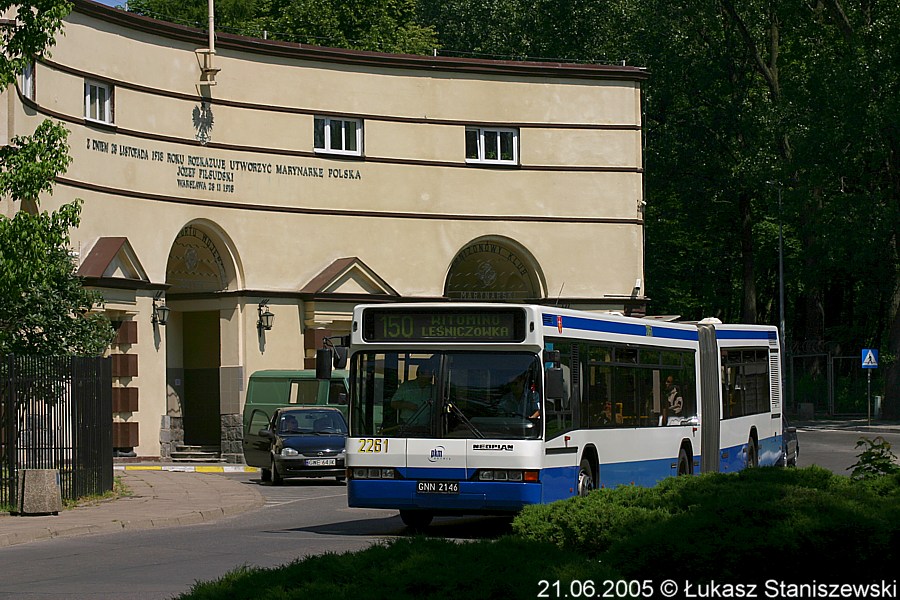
[
  {"x": 522, "y": 398},
  {"x": 673, "y": 408}
]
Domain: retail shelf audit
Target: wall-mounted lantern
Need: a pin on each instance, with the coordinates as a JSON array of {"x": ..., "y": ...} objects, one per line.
[
  {"x": 266, "y": 318},
  {"x": 160, "y": 311}
]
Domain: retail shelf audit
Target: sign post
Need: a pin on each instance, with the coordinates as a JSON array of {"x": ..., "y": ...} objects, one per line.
[{"x": 869, "y": 361}]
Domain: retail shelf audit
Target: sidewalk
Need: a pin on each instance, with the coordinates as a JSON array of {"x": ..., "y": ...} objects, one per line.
[
  {"x": 162, "y": 496},
  {"x": 860, "y": 425}
]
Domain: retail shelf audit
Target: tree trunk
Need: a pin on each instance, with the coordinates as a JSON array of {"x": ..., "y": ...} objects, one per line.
[{"x": 748, "y": 300}]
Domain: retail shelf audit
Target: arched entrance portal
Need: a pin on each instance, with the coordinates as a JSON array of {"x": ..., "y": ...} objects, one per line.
[
  {"x": 493, "y": 270},
  {"x": 200, "y": 264}
]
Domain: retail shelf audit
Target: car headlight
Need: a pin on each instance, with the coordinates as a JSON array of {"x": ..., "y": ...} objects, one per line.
[{"x": 289, "y": 452}]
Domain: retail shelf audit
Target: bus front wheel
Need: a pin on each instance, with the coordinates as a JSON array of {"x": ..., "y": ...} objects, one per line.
[
  {"x": 585, "y": 478},
  {"x": 416, "y": 519}
]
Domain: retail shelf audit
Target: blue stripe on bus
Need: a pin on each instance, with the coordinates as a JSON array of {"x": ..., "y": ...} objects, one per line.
[
  {"x": 635, "y": 329},
  {"x": 734, "y": 459},
  {"x": 724, "y": 334},
  {"x": 645, "y": 473}
]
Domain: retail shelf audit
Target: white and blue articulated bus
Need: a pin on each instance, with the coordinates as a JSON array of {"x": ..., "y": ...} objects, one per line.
[{"x": 485, "y": 408}]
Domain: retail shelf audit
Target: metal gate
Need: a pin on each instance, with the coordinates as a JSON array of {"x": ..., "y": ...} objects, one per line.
[
  {"x": 836, "y": 386},
  {"x": 56, "y": 413}
]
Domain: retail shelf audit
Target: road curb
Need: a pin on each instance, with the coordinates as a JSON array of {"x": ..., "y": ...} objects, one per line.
[{"x": 188, "y": 469}]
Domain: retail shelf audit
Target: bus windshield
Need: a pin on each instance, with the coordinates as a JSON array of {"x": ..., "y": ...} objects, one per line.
[{"x": 493, "y": 395}]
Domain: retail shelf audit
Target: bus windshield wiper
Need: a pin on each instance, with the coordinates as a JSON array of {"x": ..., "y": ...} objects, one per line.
[{"x": 464, "y": 419}]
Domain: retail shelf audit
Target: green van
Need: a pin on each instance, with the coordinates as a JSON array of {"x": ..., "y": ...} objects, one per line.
[{"x": 273, "y": 389}]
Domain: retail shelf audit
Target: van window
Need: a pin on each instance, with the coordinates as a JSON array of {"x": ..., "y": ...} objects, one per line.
[
  {"x": 304, "y": 391},
  {"x": 335, "y": 392}
]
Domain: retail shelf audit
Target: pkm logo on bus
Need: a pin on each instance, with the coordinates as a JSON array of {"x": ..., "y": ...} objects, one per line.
[{"x": 437, "y": 453}]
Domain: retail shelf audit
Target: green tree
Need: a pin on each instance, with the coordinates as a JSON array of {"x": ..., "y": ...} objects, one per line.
[
  {"x": 382, "y": 25},
  {"x": 31, "y": 34},
  {"x": 44, "y": 310}
]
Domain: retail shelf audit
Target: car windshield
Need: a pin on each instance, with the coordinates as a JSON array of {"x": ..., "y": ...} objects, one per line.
[
  {"x": 311, "y": 422},
  {"x": 453, "y": 394}
]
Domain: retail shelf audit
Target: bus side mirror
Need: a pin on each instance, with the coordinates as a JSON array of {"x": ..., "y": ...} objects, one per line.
[
  {"x": 332, "y": 354},
  {"x": 340, "y": 357},
  {"x": 323, "y": 363},
  {"x": 553, "y": 384}
]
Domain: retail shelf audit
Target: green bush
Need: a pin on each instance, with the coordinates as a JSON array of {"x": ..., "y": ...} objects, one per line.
[
  {"x": 792, "y": 524},
  {"x": 412, "y": 568}
]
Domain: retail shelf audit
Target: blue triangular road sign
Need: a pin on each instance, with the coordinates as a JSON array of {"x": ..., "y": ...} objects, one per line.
[{"x": 869, "y": 358}]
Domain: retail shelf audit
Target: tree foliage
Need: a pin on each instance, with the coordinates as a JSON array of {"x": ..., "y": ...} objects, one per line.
[
  {"x": 30, "y": 35},
  {"x": 44, "y": 310},
  {"x": 383, "y": 25}
]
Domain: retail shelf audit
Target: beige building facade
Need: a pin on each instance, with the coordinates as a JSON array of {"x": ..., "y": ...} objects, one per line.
[{"x": 262, "y": 177}]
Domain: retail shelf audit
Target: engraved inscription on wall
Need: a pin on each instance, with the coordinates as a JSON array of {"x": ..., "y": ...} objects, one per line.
[{"x": 212, "y": 175}]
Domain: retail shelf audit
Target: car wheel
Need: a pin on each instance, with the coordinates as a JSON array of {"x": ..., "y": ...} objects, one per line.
[
  {"x": 276, "y": 476},
  {"x": 265, "y": 475},
  {"x": 585, "y": 478},
  {"x": 416, "y": 519}
]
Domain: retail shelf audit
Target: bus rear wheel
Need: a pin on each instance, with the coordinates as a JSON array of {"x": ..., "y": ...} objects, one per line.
[
  {"x": 684, "y": 464},
  {"x": 752, "y": 454},
  {"x": 416, "y": 519},
  {"x": 585, "y": 478}
]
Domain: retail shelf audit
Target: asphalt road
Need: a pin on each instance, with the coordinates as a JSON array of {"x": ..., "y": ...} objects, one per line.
[{"x": 298, "y": 519}]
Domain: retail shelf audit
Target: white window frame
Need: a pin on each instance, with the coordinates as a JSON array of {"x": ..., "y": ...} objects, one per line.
[
  {"x": 27, "y": 81},
  {"x": 104, "y": 107},
  {"x": 328, "y": 123},
  {"x": 496, "y": 133}
]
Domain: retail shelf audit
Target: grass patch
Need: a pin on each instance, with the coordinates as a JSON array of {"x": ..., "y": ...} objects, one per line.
[{"x": 120, "y": 490}]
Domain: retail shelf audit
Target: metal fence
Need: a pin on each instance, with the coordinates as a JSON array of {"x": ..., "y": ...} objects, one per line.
[
  {"x": 834, "y": 385},
  {"x": 56, "y": 413}
]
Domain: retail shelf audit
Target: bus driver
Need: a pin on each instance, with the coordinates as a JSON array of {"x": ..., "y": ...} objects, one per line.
[{"x": 414, "y": 393}]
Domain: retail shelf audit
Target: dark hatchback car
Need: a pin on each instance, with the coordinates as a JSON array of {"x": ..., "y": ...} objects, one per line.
[
  {"x": 790, "y": 444},
  {"x": 305, "y": 442}
]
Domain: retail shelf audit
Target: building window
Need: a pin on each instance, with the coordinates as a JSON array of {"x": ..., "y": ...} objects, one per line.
[
  {"x": 28, "y": 81},
  {"x": 492, "y": 146},
  {"x": 338, "y": 136},
  {"x": 98, "y": 102}
]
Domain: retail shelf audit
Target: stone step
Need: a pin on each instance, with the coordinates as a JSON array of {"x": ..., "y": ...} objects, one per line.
[{"x": 196, "y": 454}]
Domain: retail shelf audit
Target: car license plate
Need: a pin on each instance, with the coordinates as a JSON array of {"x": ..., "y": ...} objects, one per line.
[
  {"x": 437, "y": 487},
  {"x": 321, "y": 462}
]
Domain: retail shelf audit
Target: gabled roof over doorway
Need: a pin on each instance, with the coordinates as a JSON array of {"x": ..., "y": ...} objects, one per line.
[
  {"x": 348, "y": 276},
  {"x": 112, "y": 259}
]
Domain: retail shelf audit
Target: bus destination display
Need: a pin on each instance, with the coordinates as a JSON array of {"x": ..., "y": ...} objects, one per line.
[{"x": 444, "y": 325}]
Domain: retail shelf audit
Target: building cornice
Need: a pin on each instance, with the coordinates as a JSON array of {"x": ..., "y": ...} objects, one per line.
[{"x": 473, "y": 66}]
